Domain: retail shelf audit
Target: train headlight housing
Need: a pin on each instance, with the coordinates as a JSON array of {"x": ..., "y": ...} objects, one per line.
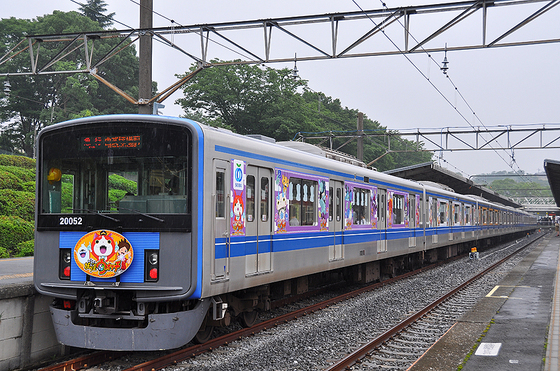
[
  {"x": 65, "y": 259},
  {"x": 151, "y": 265}
]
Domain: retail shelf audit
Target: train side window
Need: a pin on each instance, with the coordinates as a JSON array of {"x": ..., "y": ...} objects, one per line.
[
  {"x": 338, "y": 203},
  {"x": 360, "y": 207},
  {"x": 331, "y": 208},
  {"x": 442, "y": 217},
  {"x": 302, "y": 202},
  {"x": 398, "y": 209},
  {"x": 250, "y": 198},
  {"x": 220, "y": 194},
  {"x": 264, "y": 199}
]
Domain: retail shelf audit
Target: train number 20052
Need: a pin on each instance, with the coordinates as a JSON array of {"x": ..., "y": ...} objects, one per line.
[{"x": 71, "y": 221}]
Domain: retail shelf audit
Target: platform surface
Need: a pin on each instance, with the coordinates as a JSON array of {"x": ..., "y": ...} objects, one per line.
[
  {"x": 16, "y": 270},
  {"x": 515, "y": 327}
]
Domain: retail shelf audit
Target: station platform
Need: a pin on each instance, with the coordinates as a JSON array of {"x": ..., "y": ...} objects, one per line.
[
  {"x": 515, "y": 327},
  {"x": 16, "y": 271}
]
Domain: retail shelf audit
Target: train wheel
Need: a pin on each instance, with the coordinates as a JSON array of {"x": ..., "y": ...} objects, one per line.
[
  {"x": 248, "y": 319},
  {"x": 203, "y": 335}
]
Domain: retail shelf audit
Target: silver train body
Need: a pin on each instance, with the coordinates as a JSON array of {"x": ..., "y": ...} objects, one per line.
[{"x": 216, "y": 220}]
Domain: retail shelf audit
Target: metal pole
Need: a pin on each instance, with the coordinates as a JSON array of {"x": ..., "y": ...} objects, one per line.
[
  {"x": 360, "y": 153},
  {"x": 145, "y": 54}
]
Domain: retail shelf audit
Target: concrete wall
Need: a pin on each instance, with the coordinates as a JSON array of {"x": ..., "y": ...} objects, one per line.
[{"x": 26, "y": 331}]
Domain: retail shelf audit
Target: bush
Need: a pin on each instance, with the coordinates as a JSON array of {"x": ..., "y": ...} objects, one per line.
[
  {"x": 28, "y": 186},
  {"x": 4, "y": 253},
  {"x": 119, "y": 182},
  {"x": 24, "y": 175},
  {"x": 20, "y": 161},
  {"x": 26, "y": 248},
  {"x": 13, "y": 231},
  {"x": 17, "y": 203},
  {"x": 8, "y": 180}
]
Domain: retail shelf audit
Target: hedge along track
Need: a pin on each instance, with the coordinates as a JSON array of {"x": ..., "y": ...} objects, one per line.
[{"x": 399, "y": 347}]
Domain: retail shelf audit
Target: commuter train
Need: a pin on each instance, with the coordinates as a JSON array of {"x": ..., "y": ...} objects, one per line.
[{"x": 151, "y": 230}]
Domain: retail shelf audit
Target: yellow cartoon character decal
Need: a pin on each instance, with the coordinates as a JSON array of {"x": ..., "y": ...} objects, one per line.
[{"x": 103, "y": 254}]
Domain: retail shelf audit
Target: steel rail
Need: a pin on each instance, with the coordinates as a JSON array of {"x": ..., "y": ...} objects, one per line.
[
  {"x": 183, "y": 354},
  {"x": 361, "y": 352},
  {"x": 84, "y": 361}
]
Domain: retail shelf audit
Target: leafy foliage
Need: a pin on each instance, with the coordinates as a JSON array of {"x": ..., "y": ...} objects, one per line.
[
  {"x": 121, "y": 183},
  {"x": 94, "y": 9},
  {"x": 17, "y": 205},
  {"x": 510, "y": 188},
  {"x": 14, "y": 230},
  {"x": 25, "y": 248},
  {"x": 29, "y": 103},
  {"x": 19, "y": 161}
]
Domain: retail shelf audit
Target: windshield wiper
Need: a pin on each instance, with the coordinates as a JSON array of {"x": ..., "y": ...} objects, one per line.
[
  {"x": 143, "y": 214},
  {"x": 98, "y": 213}
]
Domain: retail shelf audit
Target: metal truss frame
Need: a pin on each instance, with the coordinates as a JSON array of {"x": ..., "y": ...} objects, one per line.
[
  {"x": 509, "y": 137},
  {"x": 378, "y": 23}
]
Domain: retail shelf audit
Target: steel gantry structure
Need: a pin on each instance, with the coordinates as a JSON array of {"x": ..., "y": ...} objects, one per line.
[
  {"x": 319, "y": 36},
  {"x": 449, "y": 139}
]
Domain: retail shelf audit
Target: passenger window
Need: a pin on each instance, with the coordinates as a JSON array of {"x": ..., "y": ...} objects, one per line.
[
  {"x": 331, "y": 208},
  {"x": 302, "y": 205},
  {"x": 360, "y": 207},
  {"x": 398, "y": 209},
  {"x": 220, "y": 194},
  {"x": 338, "y": 203},
  {"x": 250, "y": 198},
  {"x": 264, "y": 199}
]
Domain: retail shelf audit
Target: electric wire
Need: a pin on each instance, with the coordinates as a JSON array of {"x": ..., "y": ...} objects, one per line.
[
  {"x": 431, "y": 83},
  {"x": 463, "y": 99},
  {"x": 173, "y": 22}
]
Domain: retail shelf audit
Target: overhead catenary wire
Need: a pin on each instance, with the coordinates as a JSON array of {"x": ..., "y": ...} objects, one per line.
[{"x": 454, "y": 106}]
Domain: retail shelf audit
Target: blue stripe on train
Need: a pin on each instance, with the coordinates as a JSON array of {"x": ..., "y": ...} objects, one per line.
[{"x": 247, "y": 245}]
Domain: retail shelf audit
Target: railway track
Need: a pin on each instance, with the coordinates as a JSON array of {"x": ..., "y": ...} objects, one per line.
[
  {"x": 388, "y": 349},
  {"x": 400, "y": 346}
]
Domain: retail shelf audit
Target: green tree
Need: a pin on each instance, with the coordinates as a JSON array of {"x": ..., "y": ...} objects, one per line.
[
  {"x": 29, "y": 103},
  {"x": 248, "y": 99},
  {"x": 251, "y": 99},
  {"x": 510, "y": 188},
  {"x": 94, "y": 10}
]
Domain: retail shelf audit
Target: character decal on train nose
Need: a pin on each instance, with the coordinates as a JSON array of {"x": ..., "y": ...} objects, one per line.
[{"x": 103, "y": 254}]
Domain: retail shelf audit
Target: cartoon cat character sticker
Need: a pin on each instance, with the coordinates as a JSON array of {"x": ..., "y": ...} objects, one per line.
[{"x": 103, "y": 254}]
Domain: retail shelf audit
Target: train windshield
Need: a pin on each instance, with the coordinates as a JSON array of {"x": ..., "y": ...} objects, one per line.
[{"x": 115, "y": 168}]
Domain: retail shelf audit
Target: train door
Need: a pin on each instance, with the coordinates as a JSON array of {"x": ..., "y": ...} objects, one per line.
[
  {"x": 412, "y": 220},
  {"x": 336, "y": 220},
  {"x": 259, "y": 214},
  {"x": 382, "y": 220},
  {"x": 220, "y": 200}
]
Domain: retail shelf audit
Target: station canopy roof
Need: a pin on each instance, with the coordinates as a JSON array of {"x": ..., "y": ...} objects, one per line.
[
  {"x": 430, "y": 172},
  {"x": 552, "y": 168}
]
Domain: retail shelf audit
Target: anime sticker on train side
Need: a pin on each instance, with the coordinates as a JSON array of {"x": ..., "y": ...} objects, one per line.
[
  {"x": 281, "y": 183},
  {"x": 103, "y": 254},
  {"x": 360, "y": 206},
  {"x": 323, "y": 199},
  {"x": 417, "y": 212},
  {"x": 238, "y": 190}
]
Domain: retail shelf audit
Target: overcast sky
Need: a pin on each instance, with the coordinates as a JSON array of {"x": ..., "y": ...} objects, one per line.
[{"x": 503, "y": 86}]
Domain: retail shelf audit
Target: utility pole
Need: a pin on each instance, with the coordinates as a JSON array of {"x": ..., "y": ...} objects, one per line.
[
  {"x": 145, "y": 54},
  {"x": 360, "y": 151}
]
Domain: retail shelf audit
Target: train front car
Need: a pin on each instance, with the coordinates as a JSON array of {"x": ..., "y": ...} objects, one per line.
[{"x": 116, "y": 242}]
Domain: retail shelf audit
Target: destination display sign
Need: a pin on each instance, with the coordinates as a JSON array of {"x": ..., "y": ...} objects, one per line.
[{"x": 111, "y": 142}]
